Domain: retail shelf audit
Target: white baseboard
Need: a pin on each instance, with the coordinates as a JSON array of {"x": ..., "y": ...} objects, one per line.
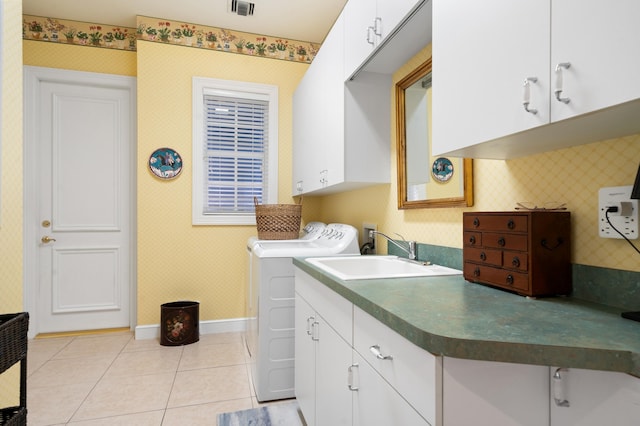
[{"x": 143, "y": 332}]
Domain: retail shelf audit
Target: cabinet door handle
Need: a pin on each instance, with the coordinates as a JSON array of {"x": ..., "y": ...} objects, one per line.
[
  {"x": 476, "y": 272},
  {"x": 510, "y": 279},
  {"x": 377, "y": 26},
  {"x": 527, "y": 94},
  {"x": 559, "y": 82},
  {"x": 483, "y": 256},
  {"x": 371, "y": 35},
  {"x": 515, "y": 262},
  {"x": 502, "y": 242},
  {"x": 315, "y": 331},
  {"x": 476, "y": 222},
  {"x": 309, "y": 325},
  {"x": 472, "y": 239},
  {"x": 375, "y": 349},
  {"x": 352, "y": 377},
  {"x": 558, "y": 389}
]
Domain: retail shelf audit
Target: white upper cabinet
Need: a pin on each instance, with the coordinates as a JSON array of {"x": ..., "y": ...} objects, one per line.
[
  {"x": 601, "y": 41},
  {"x": 508, "y": 75},
  {"x": 368, "y": 24}
]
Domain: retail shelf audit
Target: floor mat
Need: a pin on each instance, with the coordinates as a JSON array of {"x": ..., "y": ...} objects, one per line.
[{"x": 283, "y": 414}]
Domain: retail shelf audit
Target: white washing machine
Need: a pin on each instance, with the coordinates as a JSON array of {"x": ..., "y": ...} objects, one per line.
[{"x": 271, "y": 302}]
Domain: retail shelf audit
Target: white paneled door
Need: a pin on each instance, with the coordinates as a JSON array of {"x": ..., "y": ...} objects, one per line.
[{"x": 80, "y": 129}]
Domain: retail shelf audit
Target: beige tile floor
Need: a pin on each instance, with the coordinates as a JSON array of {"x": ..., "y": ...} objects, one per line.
[{"x": 113, "y": 379}]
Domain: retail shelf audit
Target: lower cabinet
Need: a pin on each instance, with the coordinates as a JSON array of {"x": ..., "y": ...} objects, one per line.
[
  {"x": 323, "y": 353},
  {"x": 483, "y": 393},
  {"x": 351, "y": 369},
  {"x": 594, "y": 398},
  {"x": 338, "y": 385},
  {"x": 375, "y": 402}
]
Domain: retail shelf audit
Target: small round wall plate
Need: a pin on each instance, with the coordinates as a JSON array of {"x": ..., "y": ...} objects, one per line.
[
  {"x": 442, "y": 169},
  {"x": 165, "y": 163}
]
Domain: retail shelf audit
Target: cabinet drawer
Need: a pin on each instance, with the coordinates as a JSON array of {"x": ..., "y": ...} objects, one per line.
[
  {"x": 510, "y": 280},
  {"x": 473, "y": 239},
  {"x": 411, "y": 370},
  {"x": 499, "y": 222},
  {"x": 518, "y": 261},
  {"x": 335, "y": 309},
  {"x": 505, "y": 241},
  {"x": 485, "y": 256}
]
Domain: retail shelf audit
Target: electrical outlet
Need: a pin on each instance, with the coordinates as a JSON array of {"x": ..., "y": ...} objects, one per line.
[
  {"x": 625, "y": 219},
  {"x": 366, "y": 227}
]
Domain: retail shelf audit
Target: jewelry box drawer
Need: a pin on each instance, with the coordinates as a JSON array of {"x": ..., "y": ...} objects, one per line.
[
  {"x": 511, "y": 280},
  {"x": 501, "y": 222}
]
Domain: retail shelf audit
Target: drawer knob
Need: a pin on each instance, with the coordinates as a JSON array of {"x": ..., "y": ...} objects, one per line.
[
  {"x": 515, "y": 262},
  {"x": 476, "y": 272},
  {"x": 511, "y": 224},
  {"x": 483, "y": 256},
  {"x": 501, "y": 242},
  {"x": 510, "y": 279},
  {"x": 476, "y": 222},
  {"x": 472, "y": 239}
]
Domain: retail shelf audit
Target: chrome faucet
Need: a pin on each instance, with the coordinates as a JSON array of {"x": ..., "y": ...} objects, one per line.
[{"x": 411, "y": 245}]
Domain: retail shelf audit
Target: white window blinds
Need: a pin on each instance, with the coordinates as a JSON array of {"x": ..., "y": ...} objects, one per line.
[{"x": 235, "y": 154}]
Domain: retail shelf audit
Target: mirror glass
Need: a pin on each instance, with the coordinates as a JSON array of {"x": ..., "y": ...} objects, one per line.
[{"x": 425, "y": 180}]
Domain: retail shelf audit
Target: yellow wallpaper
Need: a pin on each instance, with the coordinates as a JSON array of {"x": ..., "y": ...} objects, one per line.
[
  {"x": 571, "y": 175},
  {"x": 79, "y": 58},
  {"x": 175, "y": 259},
  {"x": 11, "y": 179}
]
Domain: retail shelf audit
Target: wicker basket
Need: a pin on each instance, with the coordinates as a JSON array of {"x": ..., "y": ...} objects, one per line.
[
  {"x": 278, "y": 221},
  {"x": 13, "y": 349}
]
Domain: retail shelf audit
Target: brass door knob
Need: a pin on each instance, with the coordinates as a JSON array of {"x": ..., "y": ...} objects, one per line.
[{"x": 47, "y": 239}]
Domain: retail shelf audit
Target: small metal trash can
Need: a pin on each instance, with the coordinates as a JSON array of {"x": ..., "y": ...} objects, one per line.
[{"x": 179, "y": 323}]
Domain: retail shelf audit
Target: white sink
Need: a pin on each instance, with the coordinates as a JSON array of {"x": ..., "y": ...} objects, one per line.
[{"x": 370, "y": 267}]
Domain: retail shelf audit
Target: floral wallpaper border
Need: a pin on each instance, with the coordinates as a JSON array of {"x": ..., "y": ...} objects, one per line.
[
  {"x": 186, "y": 34},
  {"x": 79, "y": 33},
  {"x": 164, "y": 31}
]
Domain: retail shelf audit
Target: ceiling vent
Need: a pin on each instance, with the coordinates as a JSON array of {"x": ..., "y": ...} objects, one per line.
[{"x": 242, "y": 8}]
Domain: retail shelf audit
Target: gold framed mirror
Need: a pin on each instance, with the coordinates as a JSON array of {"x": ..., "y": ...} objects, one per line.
[{"x": 425, "y": 181}]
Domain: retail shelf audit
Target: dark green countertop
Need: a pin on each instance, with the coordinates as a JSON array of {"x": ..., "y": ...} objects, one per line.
[{"x": 451, "y": 317}]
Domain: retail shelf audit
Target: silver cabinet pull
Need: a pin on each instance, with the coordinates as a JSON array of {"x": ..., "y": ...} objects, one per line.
[
  {"x": 371, "y": 35},
  {"x": 527, "y": 94},
  {"x": 352, "y": 377},
  {"x": 559, "y": 81},
  {"x": 559, "y": 389},
  {"x": 377, "y": 26},
  {"x": 375, "y": 349},
  {"x": 315, "y": 332},
  {"x": 309, "y": 322}
]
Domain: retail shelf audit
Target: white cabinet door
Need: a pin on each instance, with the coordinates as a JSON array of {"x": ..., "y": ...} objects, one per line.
[
  {"x": 482, "y": 54},
  {"x": 483, "y": 393},
  {"x": 368, "y": 24},
  {"x": 391, "y": 13},
  {"x": 595, "y": 398},
  {"x": 601, "y": 41},
  {"x": 360, "y": 39},
  {"x": 377, "y": 403},
  {"x": 333, "y": 397},
  {"x": 305, "y": 355}
]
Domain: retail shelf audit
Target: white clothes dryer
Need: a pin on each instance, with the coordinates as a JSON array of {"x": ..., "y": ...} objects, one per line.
[{"x": 271, "y": 303}]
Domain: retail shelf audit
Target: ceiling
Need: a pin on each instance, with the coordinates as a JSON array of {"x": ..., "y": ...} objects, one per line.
[{"x": 303, "y": 20}]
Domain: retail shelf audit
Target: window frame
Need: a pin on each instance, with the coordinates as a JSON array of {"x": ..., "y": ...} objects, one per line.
[{"x": 235, "y": 89}]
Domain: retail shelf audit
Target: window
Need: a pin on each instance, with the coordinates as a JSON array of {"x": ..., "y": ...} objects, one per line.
[{"x": 235, "y": 150}]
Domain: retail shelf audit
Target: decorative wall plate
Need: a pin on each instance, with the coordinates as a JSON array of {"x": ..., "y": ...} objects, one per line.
[
  {"x": 442, "y": 169},
  {"x": 165, "y": 163}
]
